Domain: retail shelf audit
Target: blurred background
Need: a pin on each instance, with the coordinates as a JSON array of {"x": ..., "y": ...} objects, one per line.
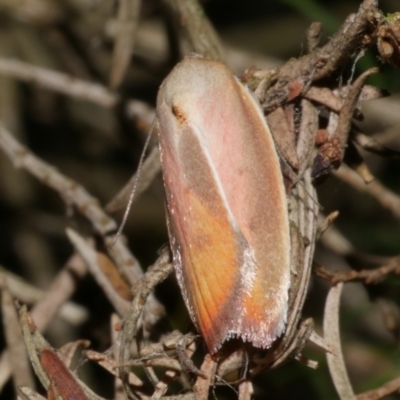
[{"x": 99, "y": 148}]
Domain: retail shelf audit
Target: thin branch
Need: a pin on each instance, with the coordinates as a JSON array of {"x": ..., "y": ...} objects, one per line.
[
  {"x": 383, "y": 391},
  {"x": 62, "y": 287},
  {"x": 343, "y": 45},
  {"x": 368, "y": 276},
  {"x": 30, "y": 393},
  {"x": 50, "y": 370},
  {"x": 111, "y": 366},
  {"x": 58, "y": 82},
  {"x": 336, "y": 362},
  {"x": 197, "y": 28},
  {"x": 18, "y": 356},
  {"x": 127, "y": 19},
  {"x": 93, "y": 261},
  {"x": 384, "y": 196},
  {"x": 160, "y": 270},
  {"x": 75, "y": 88},
  {"x": 23, "y": 291}
]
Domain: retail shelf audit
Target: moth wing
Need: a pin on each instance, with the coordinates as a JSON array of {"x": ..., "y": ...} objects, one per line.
[
  {"x": 206, "y": 245},
  {"x": 227, "y": 205}
]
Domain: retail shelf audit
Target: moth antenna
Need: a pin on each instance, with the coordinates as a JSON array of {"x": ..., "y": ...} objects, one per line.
[
  {"x": 310, "y": 195},
  {"x": 134, "y": 187}
]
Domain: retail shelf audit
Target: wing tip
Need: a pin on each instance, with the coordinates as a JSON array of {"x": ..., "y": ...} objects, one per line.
[{"x": 260, "y": 335}]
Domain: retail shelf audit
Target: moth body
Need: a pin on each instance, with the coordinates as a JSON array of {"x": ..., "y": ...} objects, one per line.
[{"x": 227, "y": 208}]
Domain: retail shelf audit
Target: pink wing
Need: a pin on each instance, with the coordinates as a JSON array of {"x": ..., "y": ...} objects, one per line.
[{"x": 229, "y": 226}]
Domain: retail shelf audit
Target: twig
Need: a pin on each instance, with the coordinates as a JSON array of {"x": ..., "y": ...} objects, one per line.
[
  {"x": 246, "y": 390},
  {"x": 18, "y": 357},
  {"x": 68, "y": 350},
  {"x": 383, "y": 391},
  {"x": 128, "y": 18},
  {"x": 36, "y": 12},
  {"x": 74, "y": 87},
  {"x": 283, "y": 136},
  {"x": 206, "y": 379},
  {"x": 325, "y": 222},
  {"x": 58, "y": 82},
  {"x": 30, "y": 393},
  {"x": 330, "y": 154},
  {"x": 356, "y": 162},
  {"x": 384, "y": 196},
  {"x": 115, "y": 321},
  {"x": 197, "y": 28},
  {"x": 324, "y": 96},
  {"x": 93, "y": 260},
  {"x": 163, "y": 362},
  {"x": 347, "y": 41},
  {"x": 45, "y": 309},
  {"x": 26, "y": 293},
  {"x": 349, "y": 104},
  {"x": 47, "y": 365},
  {"x": 373, "y": 146},
  {"x": 160, "y": 270},
  {"x": 162, "y": 385},
  {"x": 307, "y": 135},
  {"x": 111, "y": 366},
  {"x": 336, "y": 363},
  {"x": 368, "y": 276},
  {"x": 391, "y": 315},
  {"x": 314, "y": 33}
]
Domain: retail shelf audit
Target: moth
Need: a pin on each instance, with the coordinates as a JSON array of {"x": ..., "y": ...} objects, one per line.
[{"x": 227, "y": 208}]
